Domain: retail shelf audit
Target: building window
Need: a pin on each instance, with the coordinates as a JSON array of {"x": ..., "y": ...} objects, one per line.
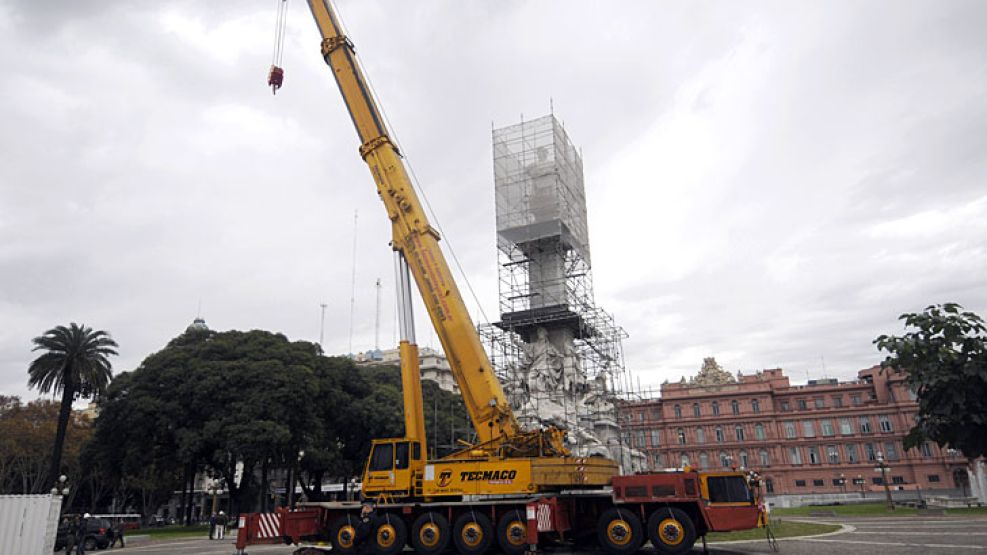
[
  {"x": 802, "y": 404},
  {"x": 851, "y": 452},
  {"x": 656, "y": 414},
  {"x": 926, "y": 449},
  {"x": 684, "y": 459},
  {"x": 724, "y": 459},
  {"x": 735, "y": 407},
  {"x": 703, "y": 460},
  {"x": 800, "y": 483},
  {"x": 759, "y": 432},
  {"x": 744, "y": 462},
  {"x": 716, "y": 408},
  {"x": 681, "y": 435},
  {"x": 785, "y": 407},
  {"x": 763, "y": 456},
  {"x": 827, "y": 428},
  {"x": 897, "y": 479},
  {"x": 678, "y": 411},
  {"x": 639, "y": 439},
  {"x": 832, "y": 454},
  {"x": 838, "y": 482},
  {"x": 655, "y": 438},
  {"x": 859, "y": 481},
  {"x": 695, "y": 410},
  {"x": 933, "y": 478},
  {"x": 891, "y": 451},
  {"x": 790, "y": 430},
  {"x": 877, "y": 481},
  {"x": 819, "y": 402},
  {"x": 739, "y": 432},
  {"x": 808, "y": 429},
  {"x": 818, "y": 483},
  {"x": 871, "y": 453},
  {"x": 846, "y": 426},
  {"x": 838, "y": 401},
  {"x": 756, "y": 406},
  {"x": 700, "y": 435},
  {"x": 659, "y": 462},
  {"x": 769, "y": 485},
  {"x": 795, "y": 454},
  {"x": 641, "y": 416},
  {"x": 865, "y": 425},
  {"x": 855, "y": 399},
  {"x": 814, "y": 455},
  {"x": 719, "y": 434},
  {"x": 885, "y": 422}
]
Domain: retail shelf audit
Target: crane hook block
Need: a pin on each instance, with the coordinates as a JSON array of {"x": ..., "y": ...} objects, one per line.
[{"x": 275, "y": 78}]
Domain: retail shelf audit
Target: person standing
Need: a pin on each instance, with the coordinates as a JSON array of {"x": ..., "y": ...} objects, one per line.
[
  {"x": 71, "y": 529},
  {"x": 212, "y": 526},
  {"x": 221, "y": 525},
  {"x": 363, "y": 539},
  {"x": 80, "y": 535}
]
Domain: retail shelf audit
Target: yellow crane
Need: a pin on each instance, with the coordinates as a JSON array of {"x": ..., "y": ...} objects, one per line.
[{"x": 505, "y": 459}]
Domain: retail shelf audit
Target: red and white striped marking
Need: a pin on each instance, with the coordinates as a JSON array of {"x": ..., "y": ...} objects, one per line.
[
  {"x": 544, "y": 518},
  {"x": 268, "y": 525}
]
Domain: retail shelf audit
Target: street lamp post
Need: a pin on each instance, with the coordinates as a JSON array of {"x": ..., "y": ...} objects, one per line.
[
  {"x": 843, "y": 482},
  {"x": 883, "y": 467},
  {"x": 860, "y": 482}
]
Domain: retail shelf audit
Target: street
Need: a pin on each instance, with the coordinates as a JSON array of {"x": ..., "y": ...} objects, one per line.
[{"x": 863, "y": 536}]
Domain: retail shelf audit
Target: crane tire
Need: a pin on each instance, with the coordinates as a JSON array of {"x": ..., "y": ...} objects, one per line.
[
  {"x": 472, "y": 533},
  {"x": 430, "y": 534},
  {"x": 390, "y": 535},
  {"x": 512, "y": 533},
  {"x": 671, "y": 531},
  {"x": 343, "y": 535},
  {"x": 619, "y": 531}
]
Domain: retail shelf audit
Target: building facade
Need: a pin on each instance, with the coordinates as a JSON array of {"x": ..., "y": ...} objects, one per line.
[
  {"x": 433, "y": 364},
  {"x": 825, "y": 437}
]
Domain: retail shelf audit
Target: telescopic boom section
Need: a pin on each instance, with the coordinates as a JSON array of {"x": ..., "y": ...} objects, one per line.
[{"x": 415, "y": 238}]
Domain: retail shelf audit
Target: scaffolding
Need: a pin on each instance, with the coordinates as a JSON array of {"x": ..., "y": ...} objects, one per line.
[{"x": 544, "y": 275}]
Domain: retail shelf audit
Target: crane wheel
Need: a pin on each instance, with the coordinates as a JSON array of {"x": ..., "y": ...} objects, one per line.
[
  {"x": 512, "y": 533},
  {"x": 619, "y": 531},
  {"x": 430, "y": 534},
  {"x": 671, "y": 531},
  {"x": 343, "y": 535},
  {"x": 472, "y": 533},
  {"x": 390, "y": 535}
]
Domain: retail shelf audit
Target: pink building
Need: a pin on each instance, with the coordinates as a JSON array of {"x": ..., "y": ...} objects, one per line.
[{"x": 821, "y": 438}]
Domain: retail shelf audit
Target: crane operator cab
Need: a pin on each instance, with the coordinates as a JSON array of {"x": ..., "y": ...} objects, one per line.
[{"x": 391, "y": 467}]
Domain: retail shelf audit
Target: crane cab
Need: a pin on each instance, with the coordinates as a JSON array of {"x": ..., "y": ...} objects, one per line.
[{"x": 393, "y": 468}]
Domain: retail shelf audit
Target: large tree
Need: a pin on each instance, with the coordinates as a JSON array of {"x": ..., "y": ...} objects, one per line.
[
  {"x": 944, "y": 356},
  {"x": 76, "y": 363}
]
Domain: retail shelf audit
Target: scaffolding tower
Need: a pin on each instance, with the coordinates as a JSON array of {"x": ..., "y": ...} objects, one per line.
[{"x": 545, "y": 278}]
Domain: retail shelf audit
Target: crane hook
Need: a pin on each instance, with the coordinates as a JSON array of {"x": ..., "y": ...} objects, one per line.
[{"x": 275, "y": 78}]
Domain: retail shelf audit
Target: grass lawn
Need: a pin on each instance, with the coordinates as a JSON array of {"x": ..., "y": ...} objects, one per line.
[
  {"x": 173, "y": 532},
  {"x": 870, "y": 509},
  {"x": 781, "y": 529}
]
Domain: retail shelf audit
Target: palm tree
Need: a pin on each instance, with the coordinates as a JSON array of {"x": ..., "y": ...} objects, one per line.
[{"x": 75, "y": 363}]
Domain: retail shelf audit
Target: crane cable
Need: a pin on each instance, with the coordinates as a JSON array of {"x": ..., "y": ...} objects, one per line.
[
  {"x": 414, "y": 178},
  {"x": 276, "y": 76}
]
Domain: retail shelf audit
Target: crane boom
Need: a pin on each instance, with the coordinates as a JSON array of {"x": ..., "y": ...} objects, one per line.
[{"x": 415, "y": 239}]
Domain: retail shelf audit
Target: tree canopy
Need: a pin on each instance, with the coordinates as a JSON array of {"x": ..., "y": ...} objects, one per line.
[
  {"x": 242, "y": 405},
  {"x": 944, "y": 355}
]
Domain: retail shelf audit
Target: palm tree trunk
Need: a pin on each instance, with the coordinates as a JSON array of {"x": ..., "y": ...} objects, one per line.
[{"x": 68, "y": 394}]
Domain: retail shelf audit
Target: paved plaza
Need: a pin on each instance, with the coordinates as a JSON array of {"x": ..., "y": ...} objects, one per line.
[{"x": 860, "y": 536}]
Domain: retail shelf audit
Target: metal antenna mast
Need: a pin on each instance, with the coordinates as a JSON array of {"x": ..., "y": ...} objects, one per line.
[
  {"x": 322, "y": 326},
  {"x": 353, "y": 282},
  {"x": 377, "y": 320}
]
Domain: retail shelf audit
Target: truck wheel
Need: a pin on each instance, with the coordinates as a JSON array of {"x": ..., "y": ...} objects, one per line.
[
  {"x": 671, "y": 531},
  {"x": 390, "y": 535},
  {"x": 344, "y": 535},
  {"x": 472, "y": 533},
  {"x": 89, "y": 544},
  {"x": 512, "y": 533},
  {"x": 430, "y": 534},
  {"x": 619, "y": 531}
]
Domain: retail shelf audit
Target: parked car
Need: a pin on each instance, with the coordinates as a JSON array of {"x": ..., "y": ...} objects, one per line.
[{"x": 97, "y": 534}]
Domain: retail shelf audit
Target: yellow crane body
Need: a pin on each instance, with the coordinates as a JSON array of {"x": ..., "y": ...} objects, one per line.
[{"x": 505, "y": 459}]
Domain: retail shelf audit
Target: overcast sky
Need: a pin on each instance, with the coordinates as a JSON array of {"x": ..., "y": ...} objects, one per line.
[{"x": 771, "y": 184}]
